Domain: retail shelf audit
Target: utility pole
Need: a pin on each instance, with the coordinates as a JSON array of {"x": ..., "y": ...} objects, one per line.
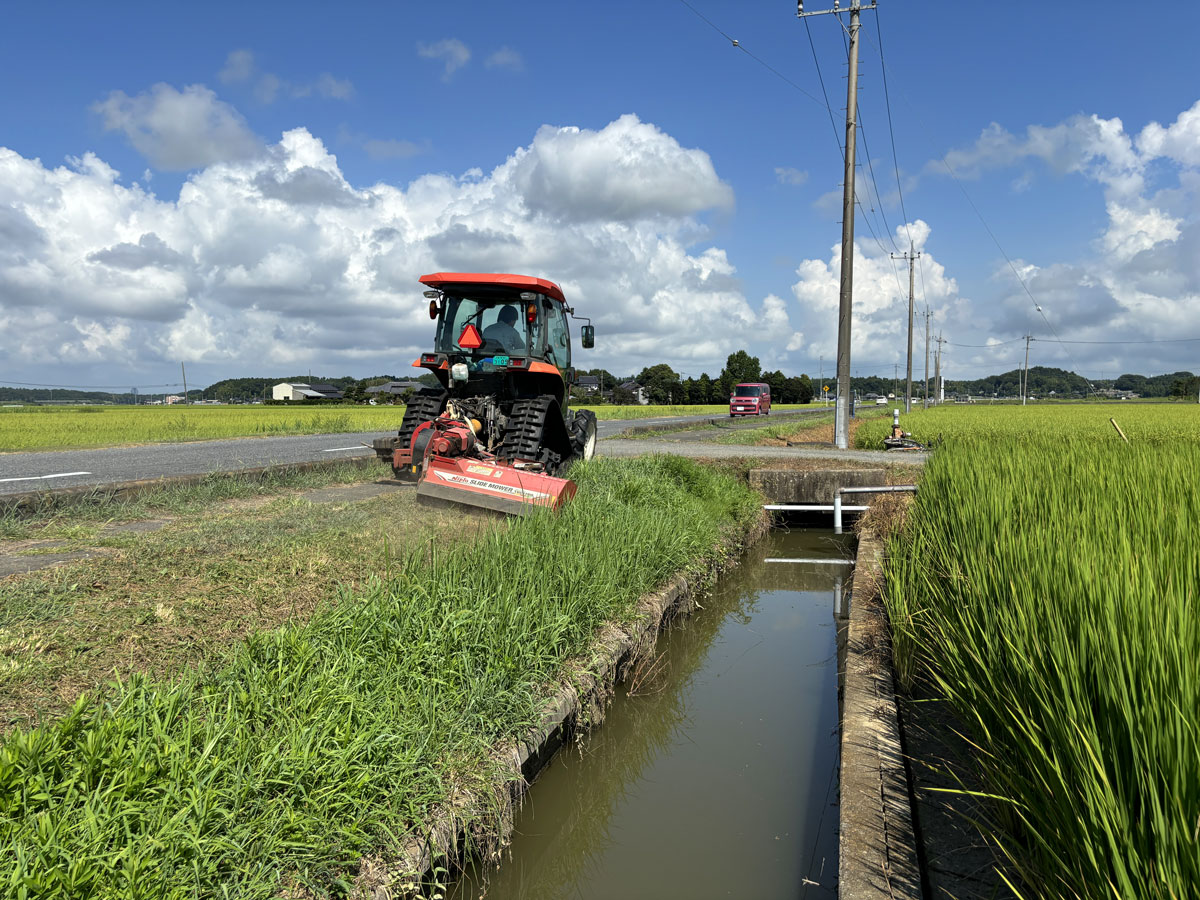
[
  {"x": 1025, "y": 371},
  {"x": 841, "y": 418},
  {"x": 937, "y": 369},
  {"x": 925, "y": 402},
  {"x": 184, "y": 371},
  {"x": 911, "y": 257}
]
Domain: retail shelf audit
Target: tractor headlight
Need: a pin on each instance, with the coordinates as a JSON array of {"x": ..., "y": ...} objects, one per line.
[{"x": 459, "y": 372}]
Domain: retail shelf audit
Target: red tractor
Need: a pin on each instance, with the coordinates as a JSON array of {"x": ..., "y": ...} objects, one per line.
[{"x": 497, "y": 432}]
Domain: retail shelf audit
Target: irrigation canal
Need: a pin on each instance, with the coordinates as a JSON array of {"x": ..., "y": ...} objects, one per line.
[{"x": 715, "y": 771}]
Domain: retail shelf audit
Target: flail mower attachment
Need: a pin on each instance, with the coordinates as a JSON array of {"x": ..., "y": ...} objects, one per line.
[{"x": 455, "y": 468}]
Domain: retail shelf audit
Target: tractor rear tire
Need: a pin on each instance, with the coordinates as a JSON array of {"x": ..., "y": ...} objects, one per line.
[
  {"x": 425, "y": 406},
  {"x": 528, "y": 433},
  {"x": 583, "y": 435}
]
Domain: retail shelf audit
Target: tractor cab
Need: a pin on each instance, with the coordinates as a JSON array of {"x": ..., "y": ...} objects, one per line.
[
  {"x": 497, "y": 431},
  {"x": 501, "y": 324}
]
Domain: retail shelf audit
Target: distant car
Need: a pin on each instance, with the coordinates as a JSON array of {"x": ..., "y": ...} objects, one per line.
[
  {"x": 750, "y": 399},
  {"x": 881, "y": 401}
]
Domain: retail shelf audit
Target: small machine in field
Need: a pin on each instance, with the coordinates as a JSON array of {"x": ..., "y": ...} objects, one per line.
[{"x": 498, "y": 431}]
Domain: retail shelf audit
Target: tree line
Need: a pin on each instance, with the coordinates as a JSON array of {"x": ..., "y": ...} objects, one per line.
[{"x": 662, "y": 384}]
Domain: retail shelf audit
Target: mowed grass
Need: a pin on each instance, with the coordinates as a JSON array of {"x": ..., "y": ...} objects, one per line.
[
  {"x": 172, "y": 579},
  {"x": 327, "y": 740},
  {"x": 1046, "y": 583}
]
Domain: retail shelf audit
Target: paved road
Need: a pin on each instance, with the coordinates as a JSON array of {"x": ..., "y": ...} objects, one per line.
[
  {"x": 20, "y": 472},
  {"x": 50, "y": 470}
]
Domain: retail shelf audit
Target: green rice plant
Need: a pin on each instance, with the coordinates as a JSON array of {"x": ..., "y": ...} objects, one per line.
[
  {"x": 983, "y": 424},
  {"x": 328, "y": 740},
  {"x": 1047, "y": 586}
]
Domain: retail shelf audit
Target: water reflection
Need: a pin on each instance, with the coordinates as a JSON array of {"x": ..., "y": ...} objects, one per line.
[{"x": 713, "y": 774}]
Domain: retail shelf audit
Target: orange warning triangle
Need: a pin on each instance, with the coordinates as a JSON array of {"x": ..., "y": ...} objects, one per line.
[{"x": 470, "y": 338}]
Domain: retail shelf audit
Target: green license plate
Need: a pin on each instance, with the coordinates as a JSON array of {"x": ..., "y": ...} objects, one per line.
[{"x": 500, "y": 360}]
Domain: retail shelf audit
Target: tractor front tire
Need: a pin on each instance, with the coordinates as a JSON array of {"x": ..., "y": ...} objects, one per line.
[{"x": 583, "y": 434}]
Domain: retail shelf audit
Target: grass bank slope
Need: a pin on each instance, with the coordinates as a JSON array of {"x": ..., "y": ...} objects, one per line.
[
  {"x": 324, "y": 741},
  {"x": 1046, "y": 583}
]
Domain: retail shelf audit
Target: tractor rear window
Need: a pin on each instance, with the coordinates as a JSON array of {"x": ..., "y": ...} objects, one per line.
[{"x": 502, "y": 324}]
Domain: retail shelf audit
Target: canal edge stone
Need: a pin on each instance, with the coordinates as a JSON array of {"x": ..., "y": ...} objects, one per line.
[
  {"x": 576, "y": 705},
  {"x": 878, "y": 848}
]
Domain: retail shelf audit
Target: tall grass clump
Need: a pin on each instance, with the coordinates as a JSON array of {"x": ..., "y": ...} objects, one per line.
[
  {"x": 325, "y": 741},
  {"x": 1049, "y": 589}
]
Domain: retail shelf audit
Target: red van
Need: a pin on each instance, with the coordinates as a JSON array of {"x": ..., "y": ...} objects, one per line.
[{"x": 750, "y": 400}]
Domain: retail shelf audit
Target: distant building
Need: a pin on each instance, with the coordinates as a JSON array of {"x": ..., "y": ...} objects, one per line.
[
  {"x": 589, "y": 384},
  {"x": 298, "y": 391},
  {"x": 393, "y": 388},
  {"x": 172, "y": 399},
  {"x": 639, "y": 392}
]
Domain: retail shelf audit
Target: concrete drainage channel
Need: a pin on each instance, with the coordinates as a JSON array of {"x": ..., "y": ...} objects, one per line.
[{"x": 753, "y": 746}]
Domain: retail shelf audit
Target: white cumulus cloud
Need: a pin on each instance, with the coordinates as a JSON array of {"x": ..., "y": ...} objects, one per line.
[
  {"x": 275, "y": 262},
  {"x": 179, "y": 130},
  {"x": 453, "y": 53}
]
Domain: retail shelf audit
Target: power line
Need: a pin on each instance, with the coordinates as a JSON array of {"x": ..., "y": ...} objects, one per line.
[
  {"x": 892, "y": 131},
  {"x": 736, "y": 43},
  {"x": 90, "y": 387},
  {"x": 1163, "y": 341},
  {"x": 987, "y": 346},
  {"x": 821, "y": 78}
]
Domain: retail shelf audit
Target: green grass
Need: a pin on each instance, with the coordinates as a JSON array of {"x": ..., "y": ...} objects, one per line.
[
  {"x": 181, "y": 589},
  {"x": 324, "y": 741},
  {"x": 1046, "y": 583}
]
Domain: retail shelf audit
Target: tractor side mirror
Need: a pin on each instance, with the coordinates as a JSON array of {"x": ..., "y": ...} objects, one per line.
[{"x": 587, "y": 336}]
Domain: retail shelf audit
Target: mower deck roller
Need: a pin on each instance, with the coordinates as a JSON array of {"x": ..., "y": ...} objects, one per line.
[
  {"x": 497, "y": 431},
  {"x": 505, "y": 489}
]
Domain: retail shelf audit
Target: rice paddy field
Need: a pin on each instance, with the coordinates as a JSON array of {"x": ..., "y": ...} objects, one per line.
[
  {"x": 1046, "y": 583},
  {"x": 72, "y": 427},
  {"x": 276, "y": 771}
]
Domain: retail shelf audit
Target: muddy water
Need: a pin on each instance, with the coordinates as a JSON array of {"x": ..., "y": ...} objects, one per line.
[{"x": 714, "y": 774}]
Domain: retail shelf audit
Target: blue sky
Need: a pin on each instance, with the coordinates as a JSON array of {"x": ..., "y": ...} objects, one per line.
[{"x": 286, "y": 172}]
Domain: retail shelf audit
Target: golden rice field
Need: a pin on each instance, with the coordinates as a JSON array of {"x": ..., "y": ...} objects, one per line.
[
  {"x": 72, "y": 427},
  {"x": 1046, "y": 583},
  {"x": 69, "y": 427}
]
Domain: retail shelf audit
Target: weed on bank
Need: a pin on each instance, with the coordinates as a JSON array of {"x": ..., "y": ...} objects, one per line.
[{"x": 324, "y": 741}]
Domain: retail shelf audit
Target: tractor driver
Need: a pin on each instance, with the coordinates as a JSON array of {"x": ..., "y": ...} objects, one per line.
[{"x": 503, "y": 333}]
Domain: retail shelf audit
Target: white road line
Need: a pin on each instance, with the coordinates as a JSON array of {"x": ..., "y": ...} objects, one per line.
[
  {"x": 336, "y": 449},
  {"x": 40, "y": 477}
]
